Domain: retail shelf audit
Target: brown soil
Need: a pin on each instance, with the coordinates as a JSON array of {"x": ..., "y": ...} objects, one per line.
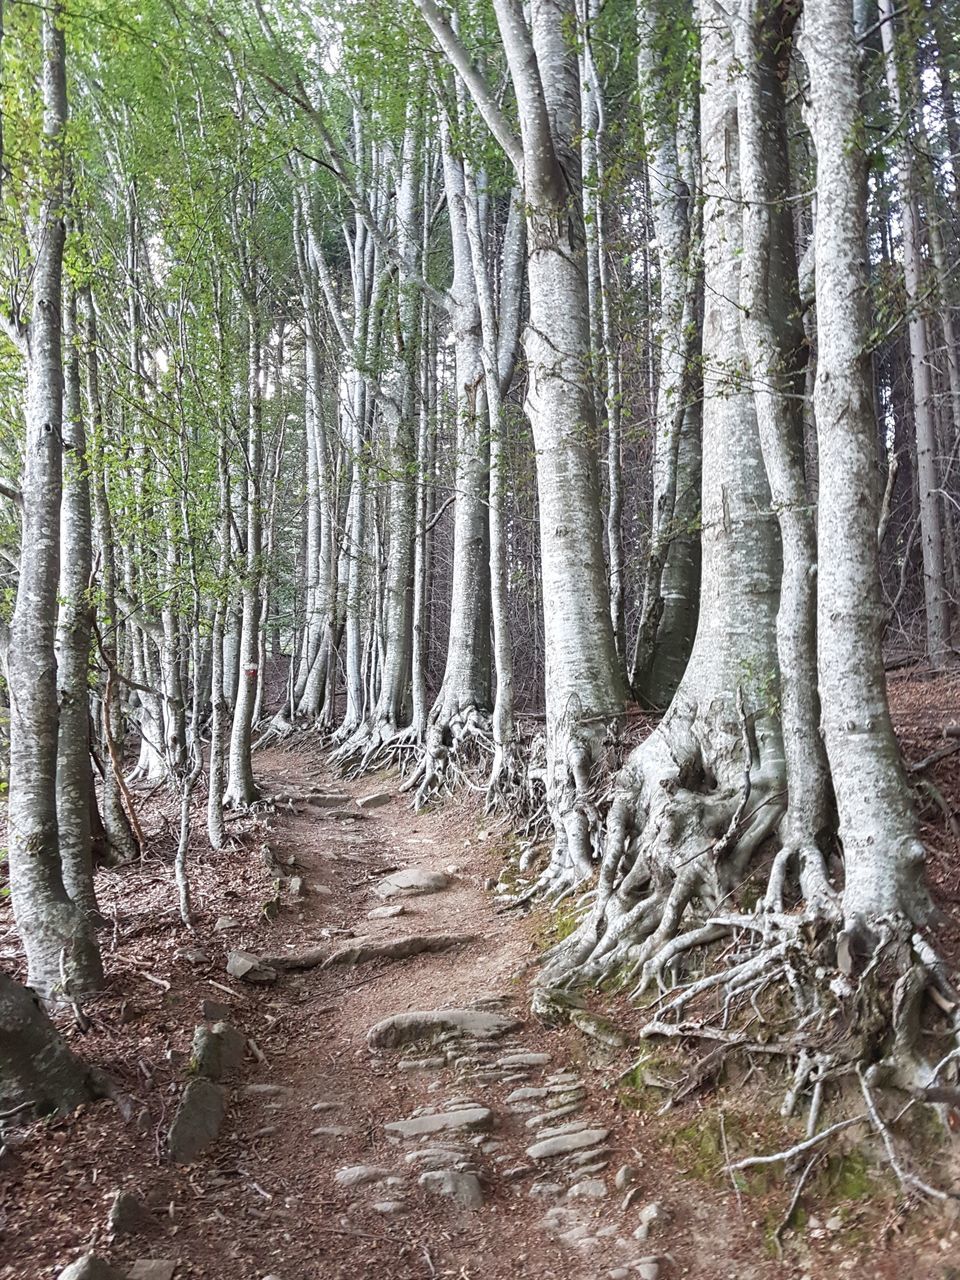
[{"x": 263, "y": 1201}]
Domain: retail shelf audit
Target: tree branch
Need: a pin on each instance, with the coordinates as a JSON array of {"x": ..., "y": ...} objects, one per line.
[{"x": 459, "y": 59}]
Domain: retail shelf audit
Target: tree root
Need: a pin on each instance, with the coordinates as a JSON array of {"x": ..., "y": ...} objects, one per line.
[{"x": 449, "y": 751}]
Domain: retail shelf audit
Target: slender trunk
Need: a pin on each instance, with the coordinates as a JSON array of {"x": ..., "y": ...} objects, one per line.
[
  {"x": 931, "y": 530},
  {"x": 74, "y": 627},
  {"x": 882, "y": 854},
  {"x": 241, "y": 788},
  {"x": 116, "y": 823},
  {"x": 775, "y": 348}
]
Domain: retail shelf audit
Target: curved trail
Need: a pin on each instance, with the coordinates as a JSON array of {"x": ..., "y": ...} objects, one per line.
[{"x": 487, "y": 1155}]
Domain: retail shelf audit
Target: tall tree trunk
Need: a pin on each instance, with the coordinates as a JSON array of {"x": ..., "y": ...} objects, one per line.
[
  {"x": 774, "y": 339},
  {"x": 671, "y": 582},
  {"x": 679, "y": 836},
  {"x": 116, "y": 823},
  {"x": 57, "y": 936},
  {"x": 74, "y": 772},
  {"x": 584, "y": 690},
  {"x": 882, "y": 855},
  {"x": 931, "y": 523},
  {"x": 241, "y": 787}
]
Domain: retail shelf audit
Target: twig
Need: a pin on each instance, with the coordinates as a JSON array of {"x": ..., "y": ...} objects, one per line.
[
  {"x": 793, "y": 1201},
  {"x": 726, "y": 1156},
  {"x": 15, "y": 1111},
  {"x": 906, "y": 1179},
  {"x": 750, "y": 1162}
]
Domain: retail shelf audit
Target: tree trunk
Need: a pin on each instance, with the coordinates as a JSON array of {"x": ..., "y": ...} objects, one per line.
[
  {"x": 74, "y": 771},
  {"x": 882, "y": 855},
  {"x": 57, "y": 935},
  {"x": 679, "y": 834}
]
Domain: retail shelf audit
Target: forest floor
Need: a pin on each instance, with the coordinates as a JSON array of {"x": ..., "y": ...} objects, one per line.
[{"x": 640, "y": 1191}]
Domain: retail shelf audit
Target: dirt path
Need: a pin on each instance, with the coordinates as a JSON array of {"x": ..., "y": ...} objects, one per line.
[
  {"x": 518, "y": 1152},
  {"x": 466, "y": 1198}
]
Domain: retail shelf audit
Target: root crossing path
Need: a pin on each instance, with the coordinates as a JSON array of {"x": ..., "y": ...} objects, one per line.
[{"x": 410, "y": 1118}]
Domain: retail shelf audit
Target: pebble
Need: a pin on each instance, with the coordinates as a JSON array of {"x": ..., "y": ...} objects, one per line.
[
  {"x": 649, "y": 1214},
  {"x": 128, "y": 1215},
  {"x": 374, "y": 801},
  {"x": 152, "y": 1269}
]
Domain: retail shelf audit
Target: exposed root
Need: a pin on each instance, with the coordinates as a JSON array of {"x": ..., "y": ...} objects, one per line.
[{"x": 450, "y": 747}]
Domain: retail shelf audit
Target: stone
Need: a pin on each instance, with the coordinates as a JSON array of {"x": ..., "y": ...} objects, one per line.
[
  {"x": 388, "y": 1206},
  {"x": 90, "y": 1267},
  {"x": 625, "y": 1177},
  {"x": 248, "y": 967},
  {"x": 545, "y": 1189},
  {"x": 453, "y": 869},
  {"x": 217, "y": 1051},
  {"x": 490, "y": 884},
  {"x": 524, "y": 1060},
  {"x": 572, "y": 1126},
  {"x": 193, "y": 956},
  {"x": 357, "y": 1175},
  {"x": 588, "y": 1189},
  {"x": 388, "y": 912},
  {"x": 374, "y": 801},
  {"x": 470, "y": 1119},
  {"x": 435, "y": 1157},
  {"x": 265, "y": 1090},
  {"x": 526, "y": 1094},
  {"x": 421, "y": 1064},
  {"x": 411, "y": 882},
  {"x": 152, "y": 1269},
  {"x": 547, "y": 1118},
  {"x": 128, "y": 1215},
  {"x": 331, "y": 1131},
  {"x": 599, "y": 1028},
  {"x": 197, "y": 1122},
  {"x": 566, "y": 1143},
  {"x": 462, "y": 1188},
  {"x": 647, "y": 1269},
  {"x": 649, "y": 1214},
  {"x": 224, "y": 923},
  {"x": 296, "y": 886},
  {"x": 426, "y": 1024},
  {"x": 214, "y": 1011}
]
